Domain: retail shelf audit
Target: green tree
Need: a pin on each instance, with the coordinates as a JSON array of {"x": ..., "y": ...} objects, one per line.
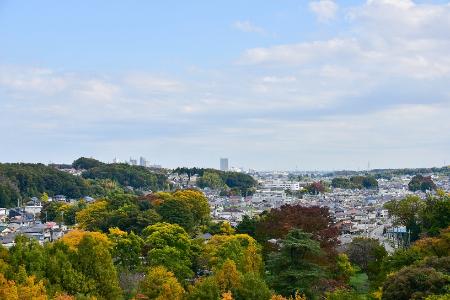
[
  {"x": 292, "y": 268},
  {"x": 62, "y": 271},
  {"x": 95, "y": 216},
  {"x": 406, "y": 212},
  {"x": 211, "y": 180},
  {"x": 126, "y": 248},
  {"x": 29, "y": 254},
  {"x": 247, "y": 225},
  {"x": 421, "y": 183},
  {"x": 252, "y": 287},
  {"x": 435, "y": 215},
  {"x": 170, "y": 246},
  {"x": 84, "y": 163},
  {"x": 198, "y": 203},
  {"x": 177, "y": 211},
  {"x": 205, "y": 289},
  {"x": 399, "y": 259},
  {"x": 95, "y": 262},
  {"x": 9, "y": 192}
]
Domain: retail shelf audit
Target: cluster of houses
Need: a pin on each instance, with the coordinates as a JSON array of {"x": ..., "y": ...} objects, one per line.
[
  {"x": 25, "y": 221},
  {"x": 356, "y": 212}
]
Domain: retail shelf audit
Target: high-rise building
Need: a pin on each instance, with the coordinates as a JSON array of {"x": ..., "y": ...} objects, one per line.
[
  {"x": 142, "y": 161},
  {"x": 224, "y": 164}
]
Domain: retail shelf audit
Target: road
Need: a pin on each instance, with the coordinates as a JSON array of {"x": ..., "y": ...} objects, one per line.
[{"x": 377, "y": 233}]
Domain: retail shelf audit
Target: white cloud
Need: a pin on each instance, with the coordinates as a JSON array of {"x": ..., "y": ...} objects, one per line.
[
  {"x": 276, "y": 79},
  {"x": 153, "y": 84},
  {"x": 325, "y": 10},
  {"x": 247, "y": 26},
  {"x": 302, "y": 52},
  {"x": 97, "y": 90},
  {"x": 32, "y": 80}
]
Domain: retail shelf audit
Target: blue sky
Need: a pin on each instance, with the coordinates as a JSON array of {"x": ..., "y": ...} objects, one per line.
[{"x": 270, "y": 84}]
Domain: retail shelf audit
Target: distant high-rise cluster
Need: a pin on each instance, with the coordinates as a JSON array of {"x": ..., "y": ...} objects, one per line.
[
  {"x": 224, "y": 164},
  {"x": 142, "y": 161}
]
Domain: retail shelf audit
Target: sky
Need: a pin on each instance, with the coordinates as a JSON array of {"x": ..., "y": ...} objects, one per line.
[{"x": 274, "y": 84}]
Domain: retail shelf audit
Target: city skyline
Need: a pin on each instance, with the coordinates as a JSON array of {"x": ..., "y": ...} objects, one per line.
[{"x": 277, "y": 85}]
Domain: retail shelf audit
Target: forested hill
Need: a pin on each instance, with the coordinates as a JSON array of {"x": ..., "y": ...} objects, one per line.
[
  {"x": 20, "y": 180},
  {"x": 136, "y": 177},
  {"x": 232, "y": 182},
  {"x": 28, "y": 180}
]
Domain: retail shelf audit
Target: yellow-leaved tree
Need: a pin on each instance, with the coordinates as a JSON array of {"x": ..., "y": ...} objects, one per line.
[{"x": 160, "y": 284}]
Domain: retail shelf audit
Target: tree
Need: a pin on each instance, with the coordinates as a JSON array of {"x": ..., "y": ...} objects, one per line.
[
  {"x": 74, "y": 237},
  {"x": 355, "y": 182},
  {"x": 84, "y": 163},
  {"x": 292, "y": 268},
  {"x": 342, "y": 294},
  {"x": 34, "y": 179},
  {"x": 421, "y": 183},
  {"x": 228, "y": 277},
  {"x": 126, "y": 248},
  {"x": 399, "y": 259},
  {"x": 62, "y": 270},
  {"x": 367, "y": 254},
  {"x": 94, "y": 217},
  {"x": 240, "y": 248},
  {"x": 435, "y": 215},
  {"x": 434, "y": 246},
  {"x": 198, "y": 204},
  {"x": 344, "y": 269},
  {"x": 173, "y": 259},
  {"x": 367, "y": 182},
  {"x": 205, "y": 289},
  {"x": 315, "y": 220},
  {"x": 29, "y": 290},
  {"x": 406, "y": 212},
  {"x": 29, "y": 255},
  {"x": 252, "y": 287},
  {"x": 244, "y": 183},
  {"x": 95, "y": 262},
  {"x": 414, "y": 283},
  {"x": 341, "y": 182},
  {"x": 170, "y": 246},
  {"x": 137, "y": 177},
  {"x": 211, "y": 180},
  {"x": 247, "y": 225},
  {"x": 8, "y": 289},
  {"x": 44, "y": 197},
  {"x": 9, "y": 192},
  {"x": 160, "y": 284},
  {"x": 227, "y": 296},
  {"x": 177, "y": 211},
  {"x": 316, "y": 188},
  {"x": 164, "y": 234}
]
